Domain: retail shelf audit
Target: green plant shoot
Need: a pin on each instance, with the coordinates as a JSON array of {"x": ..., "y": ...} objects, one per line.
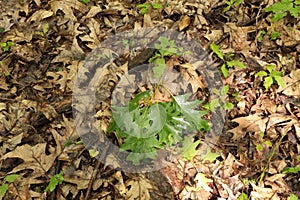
[{"x": 54, "y": 182}]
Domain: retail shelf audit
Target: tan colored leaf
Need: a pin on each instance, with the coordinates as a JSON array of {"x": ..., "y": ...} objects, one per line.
[
  {"x": 34, "y": 158},
  {"x": 13, "y": 142},
  {"x": 80, "y": 177},
  {"x": 202, "y": 182},
  {"x": 252, "y": 123},
  {"x": 147, "y": 21},
  {"x": 261, "y": 192},
  {"x": 184, "y": 22},
  {"x": 139, "y": 188},
  {"x": 40, "y": 15},
  {"x": 93, "y": 11}
]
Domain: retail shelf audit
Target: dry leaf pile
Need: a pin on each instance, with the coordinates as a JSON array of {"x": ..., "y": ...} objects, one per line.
[{"x": 50, "y": 41}]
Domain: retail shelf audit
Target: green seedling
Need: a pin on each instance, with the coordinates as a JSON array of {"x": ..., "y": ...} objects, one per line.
[
  {"x": 220, "y": 100},
  {"x": 93, "y": 153},
  {"x": 209, "y": 156},
  {"x": 44, "y": 31},
  {"x": 232, "y": 3},
  {"x": 236, "y": 96},
  {"x": 262, "y": 33},
  {"x": 164, "y": 47},
  {"x": 243, "y": 196},
  {"x": 145, "y": 7},
  {"x": 271, "y": 76},
  {"x": 145, "y": 126},
  {"x": 228, "y": 60},
  {"x": 274, "y": 35},
  {"x": 292, "y": 197},
  {"x": 282, "y": 8},
  {"x": 54, "y": 182},
  {"x": 6, "y": 45},
  {"x": 262, "y": 142},
  {"x": 291, "y": 170},
  {"x": 85, "y": 1},
  {"x": 7, "y": 180}
]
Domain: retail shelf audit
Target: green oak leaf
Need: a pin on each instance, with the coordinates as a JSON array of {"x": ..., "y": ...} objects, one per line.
[
  {"x": 209, "y": 156},
  {"x": 190, "y": 113},
  {"x": 189, "y": 148}
]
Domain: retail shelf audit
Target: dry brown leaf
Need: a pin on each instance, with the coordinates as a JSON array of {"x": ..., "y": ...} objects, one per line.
[
  {"x": 6, "y": 23},
  {"x": 292, "y": 84},
  {"x": 139, "y": 188},
  {"x": 252, "y": 123},
  {"x": 184, "y": 22},
  {"x": 40, "y": 15},
  {"x": 80, "y": 177},
  {"x": 66, "y": 7},
  {"x": 119, "y": 185},
  {"x": 261, "y": 192},
  {"x": 13, "y": 142},
  {"x": 34, "y": 158},
  {"x": 239, "y": 37},
  {"x": 147, "y": 21},
  {"x": 94, "y": 10}
]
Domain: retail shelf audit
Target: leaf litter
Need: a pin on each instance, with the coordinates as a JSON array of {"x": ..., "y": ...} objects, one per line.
[{"x": 37, "y": 133}]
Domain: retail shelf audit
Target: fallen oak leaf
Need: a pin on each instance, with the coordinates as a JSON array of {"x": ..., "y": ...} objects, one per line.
[
  {"x": 34, "y": 158},
  {"x": 253, "y": 123}
]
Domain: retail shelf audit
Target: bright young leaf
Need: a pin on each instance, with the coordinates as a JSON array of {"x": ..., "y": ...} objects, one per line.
[
  {"x": 243, "y": 196},
  {"x": 216, "y": 50},
  {"x": 235, "y": 63},
  {"x": 261, "y": 73},
  {"x": 159, "y": 67},
  {"x": 54, "y": 181},
  {"x": 293, "y": 197},
  {"x": 268, "y": 82},
  {"x": 291, "y": 170},
  {"x": 189, "y": 148},
  {"x": 279, "y": 81},
  {"x": 11, "y": 178},
  {"x": 228, "y": 106},
  {"x": 157, "y": 5},
  {"x": 210, "y": 156},
  {"x": 3, "y": 189},
  {"x": 93, "y": 153}
]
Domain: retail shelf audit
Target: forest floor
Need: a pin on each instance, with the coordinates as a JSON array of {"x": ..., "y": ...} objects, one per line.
[{"x": 43, "y": 45}]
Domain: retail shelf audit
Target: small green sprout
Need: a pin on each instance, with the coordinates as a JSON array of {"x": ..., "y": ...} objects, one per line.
[
  {"x": 54, "y": 181},
  {"x": 274, "y": 35},
  {"x": 85, "y": 1},
  {"x": 292, "y": 197},
  {"x": 261, "y": 35},
  {"x": 228, "y": 61},
  {"x": 271, "y": 76},
  {"x": 220, "y": 100},
  {"x": 291, "y": 170},
  {"x": 282, "y": 8},
  {"x": 231, "y": 3},
  {"x": 45, "y": 28},
  {"x": 8, "y": 179},
  {"x": 145, "y": 7},
  {"x": 6, "y": 45},
  {"x": 243, "y": 196}
]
